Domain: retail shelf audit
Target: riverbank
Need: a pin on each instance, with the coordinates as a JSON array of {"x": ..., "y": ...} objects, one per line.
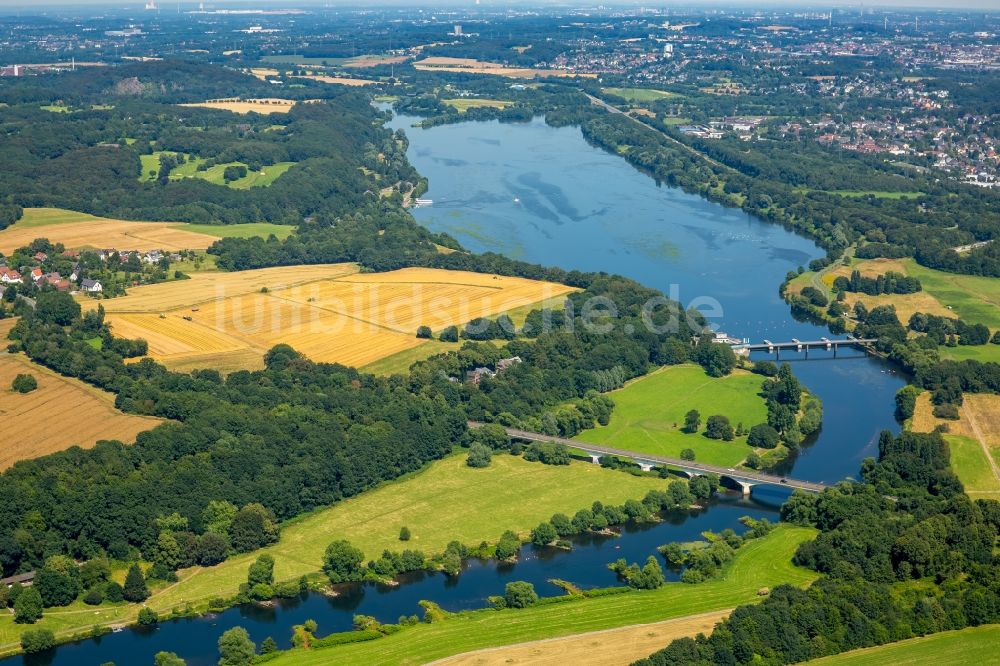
[
  {"x": 760, "y": 563},
  {"x": 445, "y": 501}
]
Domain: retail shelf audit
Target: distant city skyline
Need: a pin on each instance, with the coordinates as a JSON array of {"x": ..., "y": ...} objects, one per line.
[{"x": 958, "y": 5}]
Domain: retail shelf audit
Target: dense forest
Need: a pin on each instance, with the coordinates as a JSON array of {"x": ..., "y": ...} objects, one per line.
[
  {"x": 88, "y": 158},
  {"x": 298, "y": 435},
  {"x": 904, "y": 554}
]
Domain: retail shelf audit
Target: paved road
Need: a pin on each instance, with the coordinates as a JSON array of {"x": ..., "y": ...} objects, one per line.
[{"x": 737, "y": 475}]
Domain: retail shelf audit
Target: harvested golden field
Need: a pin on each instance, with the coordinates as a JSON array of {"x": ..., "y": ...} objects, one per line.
[
  {"x": 373, "y": 61},
  {"x": 473, "y": 66},
  {"x": 265, "y": 105},
  {"x": 330, "y": 313},
  {"x": 611, "y": 647},
  {"x": 906, "y": 304},
  {"x": 341, "y": 80},
  {"x": 262, "y": 72},
  {"x": 211, "y": 286},
  {"x": 5, "y": 326},
  {"x": 408, "y": 298},
  {"x": 979, "y": 418},
  {"x": 79, "y": 230},
  {"x": 60, "y": 413}
]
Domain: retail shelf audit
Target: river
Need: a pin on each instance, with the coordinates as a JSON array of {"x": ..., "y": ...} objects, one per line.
[{"x": 545, "y": 195}]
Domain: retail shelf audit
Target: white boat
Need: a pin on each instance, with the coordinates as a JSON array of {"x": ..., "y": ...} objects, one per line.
[{"x": 424, "y": 202}]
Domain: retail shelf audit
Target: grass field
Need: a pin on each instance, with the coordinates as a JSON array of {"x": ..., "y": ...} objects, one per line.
[
  {"x": 264, "y": 106},
  {"x": 473, "y": 66},
  {"x": 447, "y": 500},
  {"x": 466, "y": 103},
  {"x": 974, "y": 299},
  {"x": 974, "y": 438},
  {"x": 262, "y": 229},
  {"x": 607, "y": 647},
  {"x": 638, "y": 94},
  {"x": 761, "y": 563},
  {"x": 649, "y": 413},
  {"x": 329, "y": 313},
  {"x": 400, "y": 362},
  {"x": 976, "y": 645},
  {"x": 60, "y": 413},
  {"x": 213, "y": 174},
  {"x": 79, "y": 230},
  {"x": 973, "y": 468}
]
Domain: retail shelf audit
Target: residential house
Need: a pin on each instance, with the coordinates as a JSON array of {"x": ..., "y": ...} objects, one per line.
[
  {"x": 9, "y": 276},
  {"x": 91, "y": 286},
  {"x": 476, "y": 375},
  {"x": 36, "y": 274},
  {"x": 505, "y": 363}
]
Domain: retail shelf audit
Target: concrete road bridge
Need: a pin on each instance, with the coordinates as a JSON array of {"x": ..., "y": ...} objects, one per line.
[{"x": 746, "y": 479}]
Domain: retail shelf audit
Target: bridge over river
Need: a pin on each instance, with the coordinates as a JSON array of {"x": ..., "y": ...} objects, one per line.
[{"x": 746, "y": 479}]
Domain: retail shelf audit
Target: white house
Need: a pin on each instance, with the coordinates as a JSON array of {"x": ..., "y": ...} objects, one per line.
[{"x": 91, "y": 286}]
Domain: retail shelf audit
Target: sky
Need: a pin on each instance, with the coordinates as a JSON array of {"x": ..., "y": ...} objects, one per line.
[{"x": 28, "y": 5}]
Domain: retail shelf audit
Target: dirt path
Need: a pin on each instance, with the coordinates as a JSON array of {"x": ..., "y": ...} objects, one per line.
[
  {"x": 982, "y": 441},
  {"x": 610, "y": 647}
]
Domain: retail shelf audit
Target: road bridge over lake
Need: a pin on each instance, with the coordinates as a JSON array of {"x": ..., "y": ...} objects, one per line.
[{"x": 746, "y": 479}]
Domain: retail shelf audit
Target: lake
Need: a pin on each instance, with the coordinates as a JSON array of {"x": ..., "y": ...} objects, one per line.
[{"x": 545, "y": 195}]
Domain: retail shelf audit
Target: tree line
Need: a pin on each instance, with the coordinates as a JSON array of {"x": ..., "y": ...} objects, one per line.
[{"x": 929, "y": 539}]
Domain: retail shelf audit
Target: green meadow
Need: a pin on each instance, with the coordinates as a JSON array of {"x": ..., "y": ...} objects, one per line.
[
  {"x": 969, "y": 462},
  {"x": 446, "y": 500},
  {"x": 649, "y": 413},
  {"x": 976, "y": 645},
  {"x": 761, "y": 563},
  {"x": 214, "y": 174},
  {"x": 261, "y": 229},
  {"x": 973, "y": 298},
  {"x": 638, "y": 94}
]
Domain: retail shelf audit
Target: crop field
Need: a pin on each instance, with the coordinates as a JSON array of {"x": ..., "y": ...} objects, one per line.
[
  {"x": 638, "y": 94},
  {"x": 79, "y": 230},
  {"x": 608, "y": 647},
  {"x": 329, "y": 313},
  {"x": 974, "y": 440},
  {"x": 649, "y": 413},
  {"x": 464, "y": 104},
  {"x": 473, "y": 66},
  {"x": 60, "y": 413},
  {"x": 761, "y": 563},
  {"x": 977, "y": 645},
  {"x": 242, "y": 106},
  {"x": 338, "y": 80}
]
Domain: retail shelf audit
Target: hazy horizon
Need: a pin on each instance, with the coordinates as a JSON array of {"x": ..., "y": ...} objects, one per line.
[{"x": 960, "y": 5}]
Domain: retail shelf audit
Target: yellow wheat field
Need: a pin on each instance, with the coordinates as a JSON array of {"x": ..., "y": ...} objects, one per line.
[
  {"x": 82, "y": 231},
  {"x": 242, "y": 106},
  {"x": 211, "y": 286},
  {"x": 60, "y": 413},
  {"x": 330, "y": 313}
]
